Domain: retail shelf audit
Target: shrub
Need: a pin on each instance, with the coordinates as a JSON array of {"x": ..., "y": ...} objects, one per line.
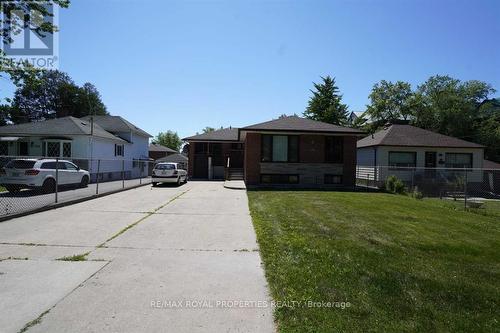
[
  {"x": 417, "y": 194},
  {"x": 394, "y": 185}
]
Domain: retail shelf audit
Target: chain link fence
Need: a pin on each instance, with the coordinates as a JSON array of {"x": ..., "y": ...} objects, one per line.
[
  {"x": 28, "y": 183},
  {"x": 472, "y": 186}
]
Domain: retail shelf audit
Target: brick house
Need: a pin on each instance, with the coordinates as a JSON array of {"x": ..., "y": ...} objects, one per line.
[{"x": 289, "y": 151}]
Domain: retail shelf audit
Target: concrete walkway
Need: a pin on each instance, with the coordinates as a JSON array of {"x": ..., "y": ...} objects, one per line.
[{"x": 165, "y": 259}]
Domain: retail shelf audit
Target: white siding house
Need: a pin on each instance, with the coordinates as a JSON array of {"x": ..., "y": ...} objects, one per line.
[
  {"x": 112, "y": 140},
  {"x": 400, "y": 150}
]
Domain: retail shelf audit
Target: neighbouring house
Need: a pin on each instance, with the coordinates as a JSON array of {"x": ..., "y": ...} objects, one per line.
[
  {"x": 405, "y": 150},
  {"x": 492, "y": 175},
  {"x": 120, "y": 146},
  {"x": 181, "y": 159},
  {"x": 289, "y": 151},
  {"x": 211, "y": 155},
  {"x": 157, "y": 151}
]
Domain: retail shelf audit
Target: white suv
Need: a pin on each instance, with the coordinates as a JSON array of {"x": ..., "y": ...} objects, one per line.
[
  {"x": 168, "y": 173},
  {"x": 41, "y": 174}
]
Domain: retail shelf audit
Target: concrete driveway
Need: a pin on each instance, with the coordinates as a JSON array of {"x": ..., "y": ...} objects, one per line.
[
  {"x": 28, "y": 200},
  {"x": 165, "y": 259}
]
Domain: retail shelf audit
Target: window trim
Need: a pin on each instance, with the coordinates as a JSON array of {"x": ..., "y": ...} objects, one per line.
[
  {"x": 451, "y": 167},
  {"x": 61, "y": 143},
  {"x": 271, "y": 148},
  {"x": 414, "y": 153},
  {"x": 117, "y": 152},
  {"x": 333, "y": 161}
]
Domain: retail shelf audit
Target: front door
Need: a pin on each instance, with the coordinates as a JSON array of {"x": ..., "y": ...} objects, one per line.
[
  {"x": 430, "y": 163},
  {"x": 430, "y": 159}
]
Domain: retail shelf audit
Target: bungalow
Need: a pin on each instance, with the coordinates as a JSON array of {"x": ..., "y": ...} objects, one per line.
[
  {"x": 404, "y": 151},
  {"x": 112, "y": 139},
  {"x": 289, "y": 151}
]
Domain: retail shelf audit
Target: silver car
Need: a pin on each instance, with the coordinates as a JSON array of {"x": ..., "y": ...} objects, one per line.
[{"x": 168, "y": 173}]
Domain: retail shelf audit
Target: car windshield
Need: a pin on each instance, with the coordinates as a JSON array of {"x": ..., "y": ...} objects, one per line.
[
  {"x": 20, "y": 164},
  {"x": 165, "y": 167}
]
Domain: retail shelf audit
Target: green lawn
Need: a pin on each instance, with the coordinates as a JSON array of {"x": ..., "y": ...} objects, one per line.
[{"x": 402, "y": 264}]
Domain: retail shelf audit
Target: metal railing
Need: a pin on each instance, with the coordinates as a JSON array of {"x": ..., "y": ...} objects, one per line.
[
  {"x": 37, "y": 184},
  {"x": 470, "y": 185}
]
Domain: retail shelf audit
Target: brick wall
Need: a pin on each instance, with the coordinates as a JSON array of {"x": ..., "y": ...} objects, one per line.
[
  {"x": 350, "y": 161},
  {"x": 252, "y": 159},
  {"x": 312, "y": 167},
  {"x": 312, "y": 148}
]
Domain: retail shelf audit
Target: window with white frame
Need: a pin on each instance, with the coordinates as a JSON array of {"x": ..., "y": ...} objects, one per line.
[
  {"x": 458, "y": 160},
  {"x": 119, "y": 150},
  {"x": 56, "y": 148},
  {"x": 402, "y": 159}
]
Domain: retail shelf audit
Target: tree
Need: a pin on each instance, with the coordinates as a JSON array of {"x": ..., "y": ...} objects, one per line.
[
  {"x": 208, "y": 129},
  {"x": 53, "y": 94},
  {"x": 488, "y": 128},
  {"x": 12, "y": 24},
  {"x": 449, "y": 106},
  {"x": 390, "y": 101},
  {"x": 169, "y": 139},
  {"x": 326, "y": 103}
]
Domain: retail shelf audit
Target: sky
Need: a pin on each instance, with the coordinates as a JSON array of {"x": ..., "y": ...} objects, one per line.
[{"x": 184, "y": 65}]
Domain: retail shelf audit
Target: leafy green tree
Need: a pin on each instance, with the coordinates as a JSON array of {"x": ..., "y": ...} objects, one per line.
[
  {"x": 53, "y": 95},
  {"x": 13, "y": 24},
  {"x": 168, "y": 139},
  {"x": 208, "y": 129},
  {"x": 487, "y": 127},
  {"x": 326, "y": 103},
  {"x": 449, "y": 106},
  {"x": 390, "y": 101}
]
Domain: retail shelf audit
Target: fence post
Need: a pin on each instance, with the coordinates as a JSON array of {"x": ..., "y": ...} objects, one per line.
[
  {"x": 465, "y": 190},
  {"x": 97, "y": 176},
  {"x": 57, "y": 178},
  {"x": 123, "y": 173},
  {"x": 412, "y": 179}
]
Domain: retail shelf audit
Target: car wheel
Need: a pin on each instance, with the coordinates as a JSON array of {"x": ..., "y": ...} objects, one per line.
[
  {"x": 154, "y": 184},
  {"x": 85, "y": 182},
  {"x": 49, "y": 186},
  {"x": 13, "y": 188}
]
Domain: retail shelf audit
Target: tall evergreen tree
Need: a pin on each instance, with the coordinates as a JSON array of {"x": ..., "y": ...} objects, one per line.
[{"x": 326, "y": 103}]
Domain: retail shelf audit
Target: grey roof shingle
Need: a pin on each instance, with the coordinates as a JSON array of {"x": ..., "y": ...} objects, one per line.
[
  {"x": 117, "y": 124},
  {"x": 224, "y": 134},
  {"x": 298, "y": 124},
  {"x": 65, "y": 126},
  {"x": 176, "y": 158},
  {"x": 160, "y": 148},
  {"x": 411, "y": 136}
]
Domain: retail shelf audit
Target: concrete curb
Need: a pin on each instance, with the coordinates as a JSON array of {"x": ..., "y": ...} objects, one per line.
[
  {"x": 67, "y": 203},
  {"x": 235, "y": 185}
]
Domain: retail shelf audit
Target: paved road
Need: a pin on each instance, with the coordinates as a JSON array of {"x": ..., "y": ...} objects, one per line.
[
  {"x": 28, "y": 200},
  {"x": 166, "y": 259}
]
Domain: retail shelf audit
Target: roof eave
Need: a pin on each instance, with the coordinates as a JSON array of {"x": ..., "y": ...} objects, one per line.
[
  {"x": 353, "y": 133},
  {"x": 421, "y": 146}
]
